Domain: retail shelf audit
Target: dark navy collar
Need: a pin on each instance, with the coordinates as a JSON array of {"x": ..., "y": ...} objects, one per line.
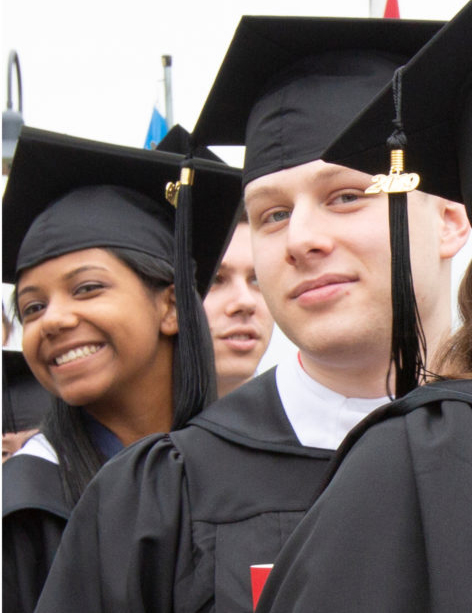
[{"x": 103, "y": 439}]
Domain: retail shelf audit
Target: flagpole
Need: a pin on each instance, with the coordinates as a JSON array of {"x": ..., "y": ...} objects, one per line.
[
  {"x": 167, "y": 64},
  {"x": 376, "y": 8}
]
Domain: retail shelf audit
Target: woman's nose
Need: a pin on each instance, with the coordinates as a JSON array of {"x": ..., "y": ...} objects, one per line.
[{"x": 57, "y": 317}]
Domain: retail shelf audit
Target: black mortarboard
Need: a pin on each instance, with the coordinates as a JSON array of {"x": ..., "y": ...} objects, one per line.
[
  {"x": 25, "y": 401},
  {"x": 177, "y": 140},
  {"x": 289, "y": 85},
  {"x": 436, "y": 112},
  {"x": 47, "y": 166},
  {"x": 65, "y": 194},
  {"x": 427, "y": 112}
]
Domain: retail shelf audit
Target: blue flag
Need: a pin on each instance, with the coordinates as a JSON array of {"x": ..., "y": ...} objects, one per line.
[{"x": 156, "y": 131}]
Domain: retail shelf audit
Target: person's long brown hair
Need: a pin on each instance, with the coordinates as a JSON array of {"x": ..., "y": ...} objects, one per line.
[{"x": 455, "y": 359}]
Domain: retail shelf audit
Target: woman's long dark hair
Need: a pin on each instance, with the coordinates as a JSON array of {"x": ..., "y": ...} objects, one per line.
[{"x": 64, "y": 426}]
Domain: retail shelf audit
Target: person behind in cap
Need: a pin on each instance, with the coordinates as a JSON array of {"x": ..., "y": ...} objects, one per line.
[
  {"x": 391, "y": 530},
  {"x": 20, "y": 419},
  {"x": 102, "y": 328},
  {"x": 24, "y": 403},
  {"x": 243, "y": 473},
  {"x": 240, "y": 322}
]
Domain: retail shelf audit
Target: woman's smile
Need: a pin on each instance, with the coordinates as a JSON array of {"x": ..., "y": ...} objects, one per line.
[{"x": 77, "y": 353}]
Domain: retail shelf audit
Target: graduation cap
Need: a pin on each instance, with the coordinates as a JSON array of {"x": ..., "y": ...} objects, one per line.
[
  {"x": 177, "y": 140},
  {"x": 429, "y": 103},
  {"x": 436, "y": 115},
  {"x": 47, "y": 166},
  {"x": 66, "y": 194},
  {"x": 25, "y": 401},
  {"x": 289, "y": 85}
]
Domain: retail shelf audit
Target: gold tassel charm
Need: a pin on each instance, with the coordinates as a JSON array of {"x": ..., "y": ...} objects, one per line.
[
  {"x": 187, "y": 176},
  {"x": 396, "y": 181},
  {"x": 172, "y": 192}
]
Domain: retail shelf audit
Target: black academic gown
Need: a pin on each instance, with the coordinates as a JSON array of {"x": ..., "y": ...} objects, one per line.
[
  {"x": 35, "y": 513},
  {"x": 392, "y": 532},
  {"x": 34, "y": 516},
  {"x": 174, "y": 522}
]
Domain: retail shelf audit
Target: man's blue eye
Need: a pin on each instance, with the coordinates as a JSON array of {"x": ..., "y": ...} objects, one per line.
[
  {"x": 278, "y": 216},
  {"x": 349, "y": 198}
]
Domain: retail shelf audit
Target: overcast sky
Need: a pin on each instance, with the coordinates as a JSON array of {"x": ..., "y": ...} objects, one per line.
[{"x": 92, "y": 68}]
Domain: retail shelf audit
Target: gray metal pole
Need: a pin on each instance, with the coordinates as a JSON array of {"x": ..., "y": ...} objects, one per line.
[
  {"x": 376, "y": 8},
  {"x": 167, "y": 64},
  {"x": 14, "y": 59},
  {"x": 12, "y": 121}
]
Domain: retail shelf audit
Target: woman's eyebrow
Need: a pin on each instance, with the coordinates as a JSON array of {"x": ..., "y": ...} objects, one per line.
[
  {"x": 26, "y": 290},
  {"x": 82, "y": 269}
]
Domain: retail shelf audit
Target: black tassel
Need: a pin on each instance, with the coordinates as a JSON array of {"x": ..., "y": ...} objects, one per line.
[
  {"x": 197, "y": 380},
  {"x": 408, "y": 349}
]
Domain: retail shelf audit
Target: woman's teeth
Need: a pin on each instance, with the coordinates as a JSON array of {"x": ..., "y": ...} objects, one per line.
[{"x": 79, "y": 352}]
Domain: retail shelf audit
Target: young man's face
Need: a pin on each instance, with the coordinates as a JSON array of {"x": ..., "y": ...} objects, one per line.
[
  {"x": 240, "y": 321},
  {"x": 322, "y": 258}
]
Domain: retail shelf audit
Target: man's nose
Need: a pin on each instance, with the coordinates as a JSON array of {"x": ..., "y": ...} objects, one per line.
[
  {"x": 242, "y": 298},
  {"x": 308, "y": 235}
]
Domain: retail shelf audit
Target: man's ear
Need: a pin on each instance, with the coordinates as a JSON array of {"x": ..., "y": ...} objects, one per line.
[
  {"x": 169, "y": 324},
  {"x": 455, "y": 228}
]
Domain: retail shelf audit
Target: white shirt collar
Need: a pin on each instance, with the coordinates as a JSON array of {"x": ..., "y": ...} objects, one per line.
[
  {"x": 320, "y": 417},
  {"x": 39, "y": 446}
]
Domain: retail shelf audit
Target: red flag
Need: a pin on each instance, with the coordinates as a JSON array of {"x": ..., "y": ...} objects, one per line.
[
  {"x": 391, "y": 10},
  {"x": 384, "y": 8}
]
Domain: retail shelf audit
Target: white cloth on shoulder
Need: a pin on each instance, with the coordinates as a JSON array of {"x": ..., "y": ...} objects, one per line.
[{"x": 39, "y": 446}]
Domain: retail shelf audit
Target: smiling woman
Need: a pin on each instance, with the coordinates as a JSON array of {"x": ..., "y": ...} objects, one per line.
[
  {"x": 90, "y": 245},
  {"x": 89, "y": 334}
]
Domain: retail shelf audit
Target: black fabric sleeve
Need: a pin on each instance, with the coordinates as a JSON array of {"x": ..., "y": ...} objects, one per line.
[
  {"x": 392, "y": 531},
  {"x": 361, "y": 533},
  {"x": 121, "y": 547},
  {"x": 30, "y": 540}
]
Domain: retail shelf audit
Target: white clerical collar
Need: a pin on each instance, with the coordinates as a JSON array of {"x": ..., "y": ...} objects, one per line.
[
  {"x": 320, "y": 417},
  {"x": 39, "y": 446}
]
